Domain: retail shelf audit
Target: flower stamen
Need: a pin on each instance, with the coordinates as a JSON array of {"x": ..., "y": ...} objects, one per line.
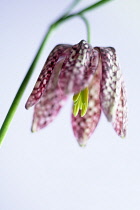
[{"x": 80, "y": 102}]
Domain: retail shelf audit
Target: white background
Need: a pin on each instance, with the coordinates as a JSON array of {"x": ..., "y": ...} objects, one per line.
[{"x": 48, "y": 170}]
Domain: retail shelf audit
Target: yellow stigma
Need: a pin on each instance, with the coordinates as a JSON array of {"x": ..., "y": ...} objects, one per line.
[{"x": 80, "y": 102}]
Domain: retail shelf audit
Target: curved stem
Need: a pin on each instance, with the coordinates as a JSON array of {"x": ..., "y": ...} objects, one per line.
[
  {"x": 81, "y": 12},
  {"x": 22, "y": 88},
  {"x": 26, "y": 80},
  {"x": 93, "y": 6},
  {"x": 74, "y": 3},
  {"x": 87, "y": 27}
]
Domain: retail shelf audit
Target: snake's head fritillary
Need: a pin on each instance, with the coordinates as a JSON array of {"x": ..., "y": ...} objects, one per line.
[{"x": 93, "y": 75}]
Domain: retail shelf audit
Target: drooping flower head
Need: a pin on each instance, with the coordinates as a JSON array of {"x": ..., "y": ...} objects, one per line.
[{"x": 93, "y": 75}]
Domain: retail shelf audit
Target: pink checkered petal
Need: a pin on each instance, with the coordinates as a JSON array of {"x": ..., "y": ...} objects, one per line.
[
  {"x": 111, "y": 81},
  {"x": 79, "y": 68},
  {"x": 120, "y": 117},
  {"x": 59, "y": 52},
  {"x": 84, "y": 126},
  {"x": 48, "y": 108}
]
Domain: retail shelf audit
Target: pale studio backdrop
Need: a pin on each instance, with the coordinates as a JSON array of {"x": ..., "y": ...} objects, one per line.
[{"x": 48, "y": 170}]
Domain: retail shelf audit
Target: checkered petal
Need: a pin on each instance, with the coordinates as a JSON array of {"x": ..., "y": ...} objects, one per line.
[
  {"x": 47, "y": 109},
  {"x": 59, "y": 52},
  {"x": 120, "y": 117},
  {"x": 78, "y": 69},
  {"x": 50, "y": 103},
  {"x": 84, "y": 126},
  {"x": 111, "y": 82}
]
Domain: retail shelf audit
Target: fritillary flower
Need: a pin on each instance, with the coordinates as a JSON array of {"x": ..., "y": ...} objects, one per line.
[{"x": 93, "y": 75}]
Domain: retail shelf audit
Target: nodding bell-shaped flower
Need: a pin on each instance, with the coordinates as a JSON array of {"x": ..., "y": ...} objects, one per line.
[{"x": 93, "y": 75}]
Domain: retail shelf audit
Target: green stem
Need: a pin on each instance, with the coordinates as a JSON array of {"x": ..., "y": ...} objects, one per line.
[
  {"x": 26, "y": 80},
  {"x": 93, "y": 6},
  {"x": 22, "y": 88},
  {"x": 87, "y": 28},
  {"x": 70, "y": 8},
  {"x": 81, "y": 12}
]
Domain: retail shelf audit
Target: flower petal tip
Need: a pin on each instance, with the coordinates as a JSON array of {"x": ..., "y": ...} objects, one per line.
[
  {"x": 27, "y": 107},
  {"x": 123, "y": 135},
  {"x": 33, "y": 131},
  {"x": 82, "y": 145},
  {"x": 34, "y": 128},
  {"x": 82, "y": 142}
]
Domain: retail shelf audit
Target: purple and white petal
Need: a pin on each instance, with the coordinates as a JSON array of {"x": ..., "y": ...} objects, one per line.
[
  {"x": 83, "y": 127},
  {"x": 78, "y": 69},
  {"x": 48, "y": 108},
  {"x": 50, "y": 103},
  {"x": 111, "y": 81},
  {"x": 58, "y": 53},
  {"x": 120, "y": 117}
]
